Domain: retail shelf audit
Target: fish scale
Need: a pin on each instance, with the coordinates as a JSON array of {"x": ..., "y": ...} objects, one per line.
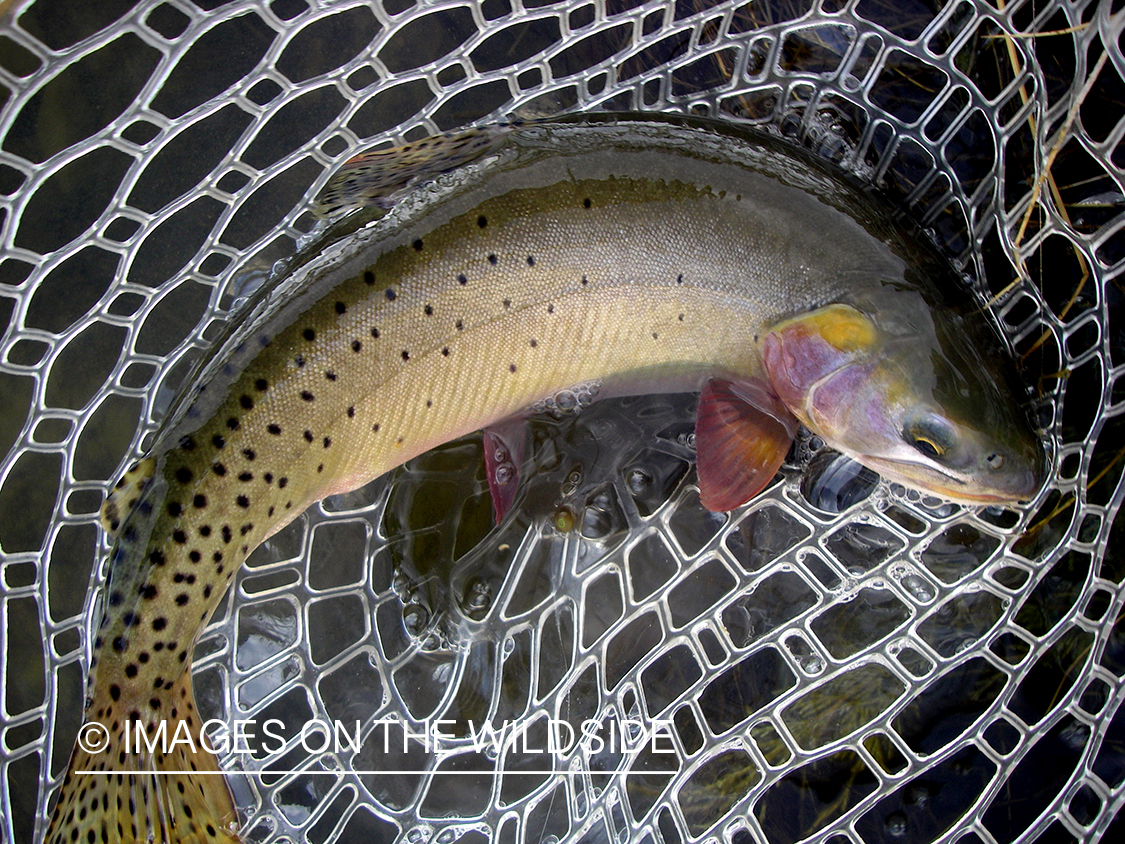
[{"x": 637, "y": 258}]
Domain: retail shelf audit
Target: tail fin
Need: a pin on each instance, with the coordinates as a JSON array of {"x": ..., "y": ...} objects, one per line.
[{"x": 173, "y": 794}]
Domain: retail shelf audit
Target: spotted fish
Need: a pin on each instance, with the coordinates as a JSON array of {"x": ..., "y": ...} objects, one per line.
[{"x": 624, "y": 254}]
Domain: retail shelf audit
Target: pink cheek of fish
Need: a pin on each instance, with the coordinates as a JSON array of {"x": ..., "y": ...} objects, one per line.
[{"x": 795, "y": 359}]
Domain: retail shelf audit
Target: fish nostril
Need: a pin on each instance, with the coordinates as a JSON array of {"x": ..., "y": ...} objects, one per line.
[{"x": 995, "y": 461}]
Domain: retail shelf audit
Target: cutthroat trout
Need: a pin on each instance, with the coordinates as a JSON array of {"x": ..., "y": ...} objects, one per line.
[{"x": 623, "y": 254}]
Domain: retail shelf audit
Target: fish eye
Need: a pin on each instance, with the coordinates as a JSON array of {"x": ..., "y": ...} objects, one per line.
[{"x": 932, "y": 436}]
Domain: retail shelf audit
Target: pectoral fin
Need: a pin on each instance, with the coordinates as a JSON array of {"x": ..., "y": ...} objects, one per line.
[
  {"x": 503, "y": 457},
  {"x": 742, "y": 434}
]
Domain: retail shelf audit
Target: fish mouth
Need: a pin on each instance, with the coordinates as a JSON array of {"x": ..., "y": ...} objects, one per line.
[{"x": 1018, "y": 487}]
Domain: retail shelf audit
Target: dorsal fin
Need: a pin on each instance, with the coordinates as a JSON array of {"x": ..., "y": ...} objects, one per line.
[
  {"x": 123, "y": 497},
  {"x": 371, "y": 178}
]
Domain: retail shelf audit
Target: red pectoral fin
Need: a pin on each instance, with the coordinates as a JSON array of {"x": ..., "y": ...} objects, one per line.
[
  {"x": 742, "y": 433},
  {"x": 503, "y": 457}
]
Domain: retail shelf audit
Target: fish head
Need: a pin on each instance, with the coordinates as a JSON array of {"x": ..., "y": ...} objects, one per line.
[{"x": 914, "y": 394}]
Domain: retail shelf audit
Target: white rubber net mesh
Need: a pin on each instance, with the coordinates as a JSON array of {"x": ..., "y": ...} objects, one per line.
[{"x": 839, "y": 661}]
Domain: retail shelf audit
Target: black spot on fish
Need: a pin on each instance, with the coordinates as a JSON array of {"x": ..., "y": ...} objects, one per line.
[
  {"x": 351, "y": 412},
  {"x": 148, "y": 591},
  {"x": 309, "y": 334},
  {"x": 219, "y": 469},
  {"x": 327, "y": 442},
  {"x": 129, "y": 619},
  {"x": 308, "y": 436},
  {"x": 680, "y": 278},
  {"x": 357, "y": 346},
  {"x": 268, "y": 477},
  {"x": 390, "y": 294},
  {"x": 320, "y": 468},
  {"x": 218, "y": 441},
  {"x": 174, "y": 508},
  {"x": 299, "y": 360},
  {"x": 429, "y": 403},
  {"x": 156, "y": 557},
  {"x": 218, "y": 558},
  {"x": 270, "y": 511},
  {"x": 160, "y": 623},
  {"x": 227, "y": 535},
  {"x": 534, "y": 342},
  {"x": 115, "y": 692},
  {"x": 307, "y": 396},
  {"x": 205, "y": 531},
  {"x": 417, "y": 244},
  {"x": 755, "y": 338},
  {"x": 428, "y": 310},
  {"x": 120, "y": 644},
  {"x": 116, "y": 599},
  {"x": 341, "y": 308},
  {"x": 445, "y": 351},
  {"x": 507, "y": 304},
  {"x": 195, "y": 556},
  {"x": 330, "y": 375},
  {"x": 654, "y": 335},
  {"x": 405, "y": 355},
  {"x": 586, "y": 203},
  {"x": 179, "y": 537},
  {"x": 246, "y": 402},
  {"x": 242, "y": 501},
  {"x": 281, "y": 482},
  {"x": 246, "y": 477},
  {"x": 245, "y": 529},
  {"x": 182, "y": 599},
  {"x": 375, "y": 333},
  {"x": 511, "y": 367},
  {"x": 585, "y": 280},
  {"x": 460, "y": 326},
  {"x": 681, "y": 317},
  {"x": 274, "y": 429},
  {"x": 482, "y": 221},
  {"x": 462, "y": 280},
  {"x": 207, "y": 591},
  {"x": 232, "y": 423},
  {"x": 492, "y": 259},
  {"x": 375, "y": 428},
  {"x": 531, "y": 260},
  {"x": 130, "y": 671},
  {"x": 551, "y": 309},
  {"x": 186, "y": 443},
  {"x": 368, "y": 277}
]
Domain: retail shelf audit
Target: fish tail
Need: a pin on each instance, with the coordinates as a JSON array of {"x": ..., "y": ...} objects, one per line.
[{"x": 172, "y": 793}]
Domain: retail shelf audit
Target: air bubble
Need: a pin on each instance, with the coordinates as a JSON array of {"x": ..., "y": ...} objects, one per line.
[
  {"x": 918, "y": 588},
  {"x": 638, "y": 481},
  {"x": 896, "y": 825},
  {"x": 415, "y": 617},
  {"x": 478, "y": 599}
]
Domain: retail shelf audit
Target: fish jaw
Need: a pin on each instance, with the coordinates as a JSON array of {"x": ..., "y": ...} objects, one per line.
[{"x": 870, "y": 396}]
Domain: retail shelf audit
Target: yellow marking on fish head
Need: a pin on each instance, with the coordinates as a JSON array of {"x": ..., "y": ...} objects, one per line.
[{"x": 842, "y": 327}]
